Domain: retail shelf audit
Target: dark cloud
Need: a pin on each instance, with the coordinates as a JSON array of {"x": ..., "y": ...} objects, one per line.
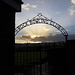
[
  {"x": 39, "y": 39},
  {"x": 26, "y": 37},
  {"x": 72, "y": 36},
  {"x": 23, "y": 37},
  {"x": 57, "y": 37}
]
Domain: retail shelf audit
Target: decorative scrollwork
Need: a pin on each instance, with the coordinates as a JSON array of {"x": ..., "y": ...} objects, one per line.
[{"x": 40, "y": 19}]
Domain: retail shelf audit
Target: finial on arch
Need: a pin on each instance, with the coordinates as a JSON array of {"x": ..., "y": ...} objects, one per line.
[{"x": 39, "y": 14}]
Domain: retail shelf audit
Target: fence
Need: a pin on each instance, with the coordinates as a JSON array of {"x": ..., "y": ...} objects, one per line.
[{"x": 32, "y": 59}]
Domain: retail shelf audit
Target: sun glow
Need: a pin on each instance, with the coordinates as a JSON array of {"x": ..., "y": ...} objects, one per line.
[
  {"x": 38, "y": 42},
  {"x": 34, "y": 34},
  {"x": 34, "y": 42},
  {"x": 27, "y": 41}
]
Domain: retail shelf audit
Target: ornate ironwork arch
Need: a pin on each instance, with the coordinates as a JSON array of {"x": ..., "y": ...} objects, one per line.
[{"x": 41, "y": 19}]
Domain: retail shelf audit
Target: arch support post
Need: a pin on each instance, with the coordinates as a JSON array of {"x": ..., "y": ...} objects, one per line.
[{"x": 66, "y": 37}]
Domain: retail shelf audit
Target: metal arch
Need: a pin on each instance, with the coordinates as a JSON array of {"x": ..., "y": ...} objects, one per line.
[{"x": 40, "y": 19}]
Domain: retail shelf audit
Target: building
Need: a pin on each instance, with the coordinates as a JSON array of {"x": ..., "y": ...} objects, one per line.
[
  {"x": 71, "y": 56},
  {"x": 8, "y": 8}
]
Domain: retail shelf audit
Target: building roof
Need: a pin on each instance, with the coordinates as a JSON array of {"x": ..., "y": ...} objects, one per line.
[
  {"x": 16, "y": 4},
  {"x": 19, "y": 1}
]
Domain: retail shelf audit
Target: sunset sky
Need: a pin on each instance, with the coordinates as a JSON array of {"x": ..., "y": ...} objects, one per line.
[{"x": 60, "y": 11}]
